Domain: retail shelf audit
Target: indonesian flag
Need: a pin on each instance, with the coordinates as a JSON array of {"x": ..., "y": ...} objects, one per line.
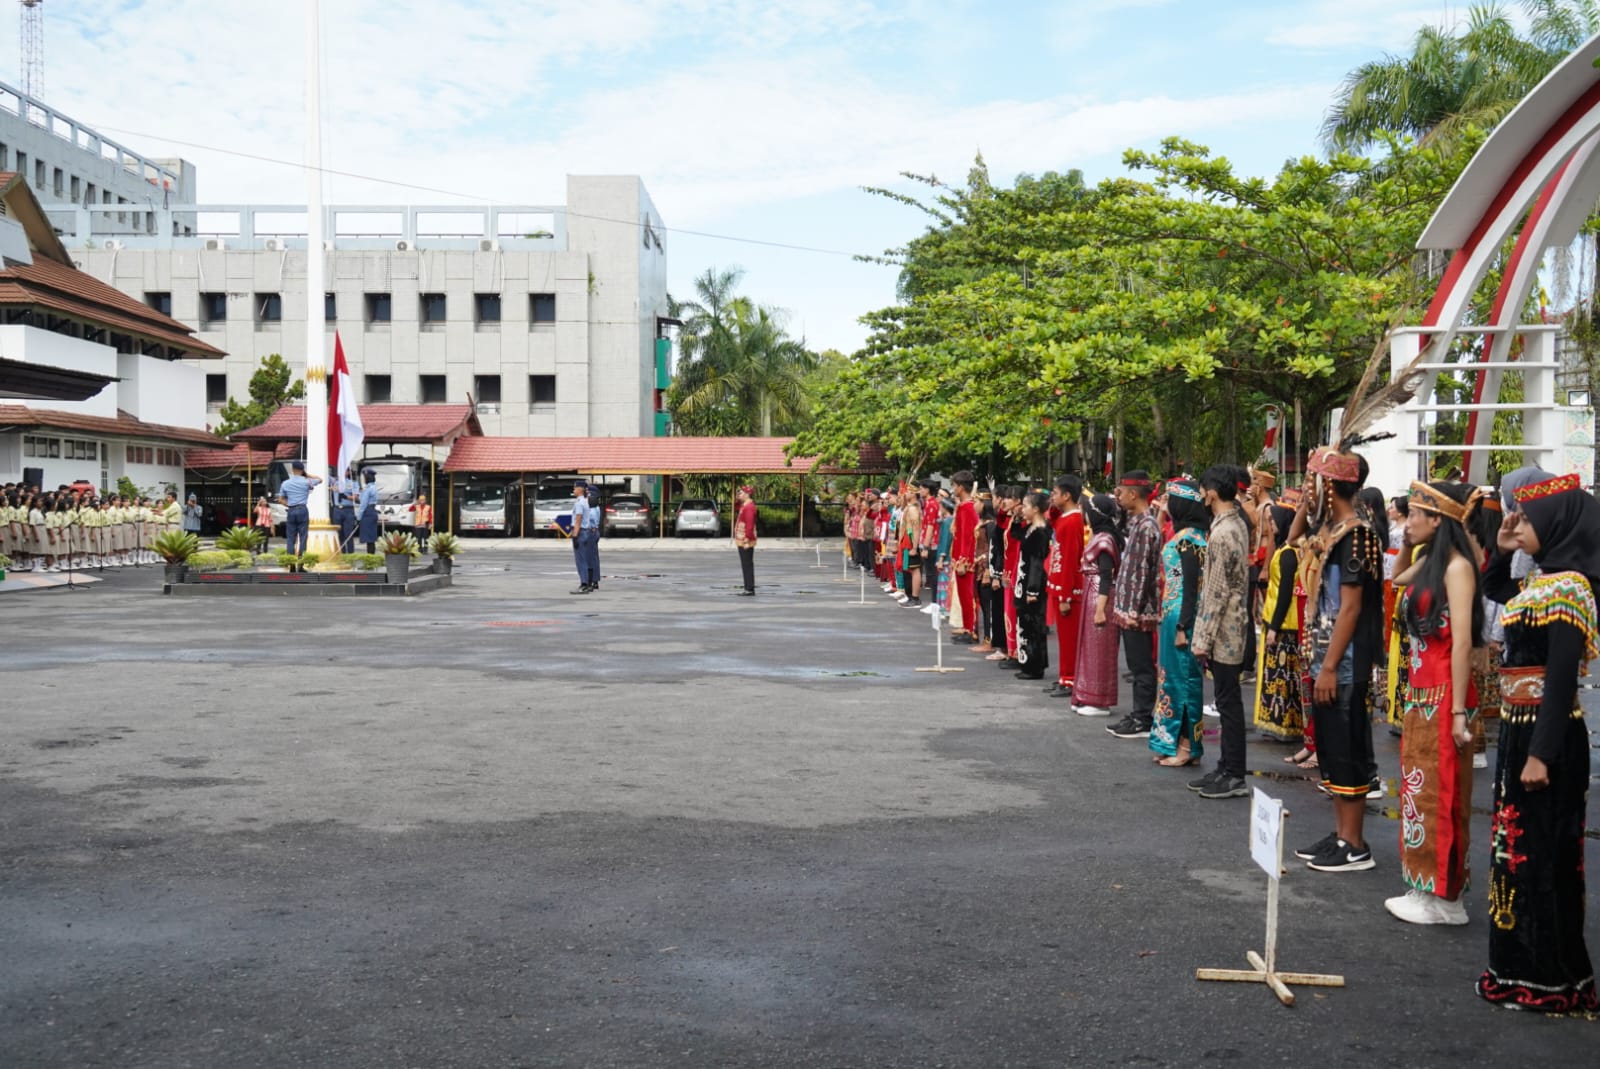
[
  {"x": 1272, "y": 430},
  {"x": 1111, "y": 451},
  {"x": 345, "y": 433}
]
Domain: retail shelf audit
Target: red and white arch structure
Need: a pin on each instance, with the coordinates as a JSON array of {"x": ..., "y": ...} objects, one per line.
[{"x": 1537, "y": 177}]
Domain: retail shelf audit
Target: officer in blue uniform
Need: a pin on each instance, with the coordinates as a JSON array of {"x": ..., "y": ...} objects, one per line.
[
  {"x": 344, "y": 499},
  {"x": 585, "y": 539},
  {"x": 294, "y": 493},
  {"x": 367, "y": 510}
]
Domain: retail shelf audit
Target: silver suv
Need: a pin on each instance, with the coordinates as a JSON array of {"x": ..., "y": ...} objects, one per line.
[
  {"x": 633, "y": 513},
  {"x": 697, "y": 515}
]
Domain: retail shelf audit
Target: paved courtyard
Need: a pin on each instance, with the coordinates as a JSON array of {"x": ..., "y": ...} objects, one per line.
[{"x": 500, "y": 825}]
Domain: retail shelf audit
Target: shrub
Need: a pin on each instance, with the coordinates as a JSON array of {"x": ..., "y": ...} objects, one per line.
[
  {"x": 444, "y": 545},
  {"x": 246, "y": 539},
  {"x": 398, "y": 542},
  {"x": 175, "y": 547},
  {"x": 211, "y": 560},
  {"x": 242, "y": 558},
  {"x": 268, "y": 559}
]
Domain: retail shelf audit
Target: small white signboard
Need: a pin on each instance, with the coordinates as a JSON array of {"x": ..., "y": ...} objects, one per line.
[{"x": 1266, "y": 825}]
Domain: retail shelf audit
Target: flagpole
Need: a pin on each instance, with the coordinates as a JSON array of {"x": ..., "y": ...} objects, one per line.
[{"x": 323, "y": 540}]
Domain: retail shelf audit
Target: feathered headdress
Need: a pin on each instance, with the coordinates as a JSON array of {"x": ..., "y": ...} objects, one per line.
[{"x": 1362, "y": 411}]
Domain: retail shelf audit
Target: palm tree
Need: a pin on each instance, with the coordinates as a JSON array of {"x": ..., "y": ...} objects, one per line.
[
  {"x": 1453, "y": 79},
  {"x": 741, "y": 372}
]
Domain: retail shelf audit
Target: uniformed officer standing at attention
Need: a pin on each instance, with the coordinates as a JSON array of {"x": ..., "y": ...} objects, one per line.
[
  {"x": 585, "y": 538},
  {"x": 344, "y": 499},
  {"x": 744, "y": 537},
  {"x": 367, "y": 510},
  {"x": 294, "y": 493}
]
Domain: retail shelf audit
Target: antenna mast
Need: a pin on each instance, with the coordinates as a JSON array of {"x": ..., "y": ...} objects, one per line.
[{"x": 33, "y": 47}]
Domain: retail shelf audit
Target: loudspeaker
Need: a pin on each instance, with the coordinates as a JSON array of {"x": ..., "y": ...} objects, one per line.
[{"x": 33, "y": 477}]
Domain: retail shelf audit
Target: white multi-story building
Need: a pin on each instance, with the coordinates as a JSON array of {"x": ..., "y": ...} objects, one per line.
[{"x": 546, "y": 316}]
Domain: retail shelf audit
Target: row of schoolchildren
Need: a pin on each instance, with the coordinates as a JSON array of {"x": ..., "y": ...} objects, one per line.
[{"x": 53, "y": 531}]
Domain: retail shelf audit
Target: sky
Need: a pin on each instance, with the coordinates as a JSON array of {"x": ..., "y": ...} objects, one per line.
[{"x": 755, "y": 120}]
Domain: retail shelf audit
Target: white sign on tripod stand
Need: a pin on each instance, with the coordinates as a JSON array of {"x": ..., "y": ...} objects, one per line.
[{"x": 1266, "y": 849}]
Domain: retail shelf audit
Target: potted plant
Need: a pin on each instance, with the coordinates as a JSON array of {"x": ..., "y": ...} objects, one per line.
[
  {"x": 175, "y": 547},
  {"x": 240, "y": 540},
  {"x": 5, "y": 562},
  {"x": 445, "y": 548},
  {"x": 398, "y": 549}
]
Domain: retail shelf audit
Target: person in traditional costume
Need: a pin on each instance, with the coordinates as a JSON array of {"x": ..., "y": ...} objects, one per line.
[
  {"x": 1441, "y": 613},
  {"x": 1094, "y": 687},
  {"x": 999, "y": 539},
  {"x": 1136, "y": 605},
  {"x": 1176, "y": 730},
  {"x": 963, "y": 558},
  {"x": 1538, "y": 959},
  {"x": 1280, "y": 705},
  {"x": 1013, "y": 565},
  {"x": 1065, "y": 580},
  {"x": 1222, "y": 625},
  {"x": 1029, "y": 593}
]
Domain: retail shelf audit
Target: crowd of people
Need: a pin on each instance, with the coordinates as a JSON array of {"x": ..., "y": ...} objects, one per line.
[
  {"x": 74, "y": 528},
  {"x": 1441, "y": 612}
]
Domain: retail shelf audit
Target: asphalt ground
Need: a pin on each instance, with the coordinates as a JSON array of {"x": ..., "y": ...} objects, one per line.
[{"x": 501, "y": 825}]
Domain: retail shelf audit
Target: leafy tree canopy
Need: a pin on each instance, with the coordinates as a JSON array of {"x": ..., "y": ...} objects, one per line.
[{"x": 271, "y": 387}]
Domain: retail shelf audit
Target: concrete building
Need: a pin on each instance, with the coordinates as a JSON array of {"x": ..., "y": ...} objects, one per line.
[
  {"x": 546, "y": 316},
  {"x": 60, "y": 323},
  {"x": 88, "y": 183}
]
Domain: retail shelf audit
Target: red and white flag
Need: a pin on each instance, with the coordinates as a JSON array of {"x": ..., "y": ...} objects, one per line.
[
  {"x": 1111, "y": 451},
  {"x": 345, "y": 433}
]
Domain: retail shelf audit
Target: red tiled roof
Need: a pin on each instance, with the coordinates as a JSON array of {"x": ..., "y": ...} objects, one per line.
[
  {"x": 53, "y": 283},
  {"x": 124, "y": 425},
  {"x": 642, "y": 456},
  {"x": 400, "y": 424},
  {"x": 239, "y": 456}
]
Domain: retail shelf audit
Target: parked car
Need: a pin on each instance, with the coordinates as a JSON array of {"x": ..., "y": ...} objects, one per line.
[
  {"x": 697, "y": 515},
  {"x": 633, "y": 513}
]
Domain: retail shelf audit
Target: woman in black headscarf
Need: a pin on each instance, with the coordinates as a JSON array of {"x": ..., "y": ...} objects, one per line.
[
  {"x": 1094, "y": 687},
  {"x": 1537, "y": 957}
]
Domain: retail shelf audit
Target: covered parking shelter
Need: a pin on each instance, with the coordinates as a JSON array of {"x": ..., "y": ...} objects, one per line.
[{"x": 664, "y": 458}]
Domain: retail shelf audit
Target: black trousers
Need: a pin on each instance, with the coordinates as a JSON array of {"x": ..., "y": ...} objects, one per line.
[
  {"x": 985, "y": 597},
  {"x": 1139, "y": 652},
  {"x": 997, "y": 619},
  {"x": 1230, "y": 707},
  {"x": 747, "y": 565}
]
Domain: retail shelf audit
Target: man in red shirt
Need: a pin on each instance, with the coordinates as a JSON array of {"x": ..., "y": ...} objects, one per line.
[
  {"x": 928, "y": 540},
  {"x": 744, "y": 537},
  {"x": 1064, "y": 578},
  {"x": 963, "y": 553}
]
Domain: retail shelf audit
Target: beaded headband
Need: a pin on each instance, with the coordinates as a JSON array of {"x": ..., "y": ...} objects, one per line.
[
  {"x": 1428, "y": 499},
  {"x": 1183, "y": 489},
  {"x": 1559, "y": 485},
  {"x": 1340, "y": 467}
]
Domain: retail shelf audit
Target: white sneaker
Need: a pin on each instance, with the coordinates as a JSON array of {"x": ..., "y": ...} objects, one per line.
[
  {"x": 1419, "y": 907},
  {"x": 928, "y": 610},
  {"x": 1091, "y": 710},
  {"x": 1209, "y": 710},
  {"x": 902, "y": 599},
  {"x": 1480, "y": 760}
]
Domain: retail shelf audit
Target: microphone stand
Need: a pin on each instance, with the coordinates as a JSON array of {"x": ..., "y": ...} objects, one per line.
[{"x": 72, "y": 586}]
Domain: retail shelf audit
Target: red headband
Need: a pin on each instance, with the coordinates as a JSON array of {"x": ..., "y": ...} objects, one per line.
[{"x": 1559, "y": 485}]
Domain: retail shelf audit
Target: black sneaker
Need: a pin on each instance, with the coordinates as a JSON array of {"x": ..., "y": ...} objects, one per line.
[
  {"x": 1342, "y": 857},
  {"x": 1129, "y": 728},
  {"x": 1206, "y": 780},
  {"x": 1059, "y": 690},
  {"x": 1010, "y": 662},
  {"x": 1322, "y": 845},
  {"x": 1225, "y": 786}
]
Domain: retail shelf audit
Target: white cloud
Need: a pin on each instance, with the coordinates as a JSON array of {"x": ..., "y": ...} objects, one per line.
[{"x": 1353, "y": 23}]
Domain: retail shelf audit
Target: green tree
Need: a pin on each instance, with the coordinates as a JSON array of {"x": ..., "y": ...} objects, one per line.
[
  {"x": 271, "y": 387},
  {"x": 741, "y": 373},
  {"x": 1454, "y": 80}
]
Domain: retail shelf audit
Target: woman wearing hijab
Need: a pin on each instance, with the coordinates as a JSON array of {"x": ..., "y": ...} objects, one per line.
[
  {"x": 1094, "y": 688},
  {"x": 1280, "y": 696},
  {"x": 1537, "y": 956},
  {"x": 1175, "y": 731}
]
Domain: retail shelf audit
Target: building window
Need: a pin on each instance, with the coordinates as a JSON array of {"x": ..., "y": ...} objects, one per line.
[
  {"x": 378, "y": 312},
  {"x": 161, "y": 302},
  {"x": 430, "y": 311},
  {"x": 59, "y": 186},
  {"x": 487, "y": 387},
  {"x": 542, "y": 389},
  {"x": 378, "y": 389},
  {"x": 5, "y": 156},
  {"x": 541, "y": 308},
  {"x": 330, "y": 308},
  {"x": 213, "y": 310},
  {"x": 39, "y": 173},
  {"x": 431, "y": 389},
  {"x": 486, "y": 309},
  {"x": 269, "y": 310},
  {"x": 77, "y": 183},
  {"x": 22, "y": 163},
  {"x": 88, "y": 195},
  {"x": 216, "y": 389}
]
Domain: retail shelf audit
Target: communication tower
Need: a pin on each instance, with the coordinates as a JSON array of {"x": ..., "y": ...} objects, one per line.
[{"x": 33, "y": 47}]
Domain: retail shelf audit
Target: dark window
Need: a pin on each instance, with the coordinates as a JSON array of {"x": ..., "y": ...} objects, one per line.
[
  {"x": 487, "y": 387},
  {"x": 330, "y": 308},
  {"x": 488, "y": 307},
  {"x": 77, "y": 183},
  {"x": 542, "y": 389},
  {"x": 216, "y": 389},
  {"x": 60, "y": 184},
  {"x": 213, "y": 308},
  {"x": 269, "y": 308},
  {"x": 377, "y": 308},
  {"x": 433, "y": 308},
  {"x": 161, "y": 302},
  {"x": 377, "y": 389},
  {"x": 542, "y": 307},
  {"x": 431, "y": 389}
]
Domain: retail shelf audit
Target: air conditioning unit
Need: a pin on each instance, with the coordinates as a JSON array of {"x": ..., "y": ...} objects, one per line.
[
  {"x": 488, "y": 245},
  {"x": 216, "y": 245},
  {"x": 111, "y": 244},
  {"x": 276, "y": 245},
  {"x": 403, "y": 245}
]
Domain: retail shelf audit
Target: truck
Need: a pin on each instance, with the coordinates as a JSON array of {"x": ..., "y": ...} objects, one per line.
[{"x": 488, "y": 506}]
